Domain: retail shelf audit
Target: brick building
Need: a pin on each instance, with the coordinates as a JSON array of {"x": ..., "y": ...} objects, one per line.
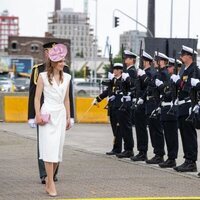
[{"x": 20, "y": 46}]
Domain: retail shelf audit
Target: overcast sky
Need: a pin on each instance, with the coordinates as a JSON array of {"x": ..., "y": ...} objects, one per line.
[{"x": 33, "y": 16}]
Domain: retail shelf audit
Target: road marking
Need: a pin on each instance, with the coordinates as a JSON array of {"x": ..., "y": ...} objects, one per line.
[{"x": 139, "y": 198}]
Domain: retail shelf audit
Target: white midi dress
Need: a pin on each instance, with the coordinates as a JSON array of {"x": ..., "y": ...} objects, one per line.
[{"x": 52, "y": 134}]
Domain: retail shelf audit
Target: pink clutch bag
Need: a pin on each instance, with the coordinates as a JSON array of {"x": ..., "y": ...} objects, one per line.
[{"x": 45, "y": 117}]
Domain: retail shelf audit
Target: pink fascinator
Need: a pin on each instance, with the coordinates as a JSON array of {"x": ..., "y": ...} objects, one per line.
[{"x": 57, "y": 52}]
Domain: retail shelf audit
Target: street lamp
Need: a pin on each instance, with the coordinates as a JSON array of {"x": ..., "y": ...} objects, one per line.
[
  {"x": 189, "y": 18},
  {"x": 95, "y": 44},
  {"x": 74, "y": 29},
  {"x": 171, "y": 18},
  {"x": 150, "y": 33}
]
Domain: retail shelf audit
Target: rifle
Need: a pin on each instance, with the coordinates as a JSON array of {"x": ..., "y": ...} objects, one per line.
[
  {"x": 137, "y": 84},
  {"x": 141, "y": 53},
  {"x": 110, "y": 60},
  {"x": 123, "y": 83},
  {"x": 172, "y": 110},
  {"x": 156, "y": 111},
  {"x": 107, "y": 82},
  {"x": 122, "y": 56}
]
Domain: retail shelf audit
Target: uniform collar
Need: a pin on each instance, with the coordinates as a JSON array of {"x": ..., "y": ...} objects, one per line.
[{"x": 130, "y": 67}]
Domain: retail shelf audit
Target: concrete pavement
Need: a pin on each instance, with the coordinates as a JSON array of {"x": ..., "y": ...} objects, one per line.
[{"x": 86, "y": 171}]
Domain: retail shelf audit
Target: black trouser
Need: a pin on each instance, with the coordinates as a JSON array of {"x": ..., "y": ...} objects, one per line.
[
  {"x": 117, "y": 142},
  {"x": 123, "y": 117},
  {"x": 157, "y": 137},
  {"x": 189, "y": 138},
  {"x": 141, "y": 130},
  {"x": 171, "y": 137},
  {"x": 133, "y": 117},
  {"x": 41, "y": 166}
]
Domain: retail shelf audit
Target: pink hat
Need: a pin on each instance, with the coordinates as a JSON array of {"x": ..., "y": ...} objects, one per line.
[{"x": 57, "y": 52}]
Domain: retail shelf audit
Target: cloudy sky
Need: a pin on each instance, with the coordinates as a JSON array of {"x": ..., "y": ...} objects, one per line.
[{"x": 33, "y": 16}]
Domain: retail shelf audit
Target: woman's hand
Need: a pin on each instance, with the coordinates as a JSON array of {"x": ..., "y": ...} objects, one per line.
[
  {"x": 68, "y": 126},
  {"x": 38, "y": 120}
]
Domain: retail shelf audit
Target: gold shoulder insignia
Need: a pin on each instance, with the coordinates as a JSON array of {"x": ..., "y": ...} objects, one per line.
[
  {"x": 37, "y": 65},
  {"x": 35, "y": 76}
]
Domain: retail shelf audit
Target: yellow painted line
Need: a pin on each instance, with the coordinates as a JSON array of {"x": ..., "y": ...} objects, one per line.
[{"x": 139, "y": 198}]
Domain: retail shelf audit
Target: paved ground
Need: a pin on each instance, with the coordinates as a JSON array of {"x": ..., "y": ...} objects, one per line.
[{"x": 86, "y": 171}]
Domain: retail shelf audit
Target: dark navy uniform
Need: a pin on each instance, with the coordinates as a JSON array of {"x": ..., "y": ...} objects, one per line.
[
  {"x": 131, "y": 70},
  {"x": 169, "y": 121},
  {"x": 154, "y": 99},
  {"x": 31, "y": 108},
  {"x": 140, "y": 106},
  {"x": 187, "y": 128},
  {"x": 120, "y": 115}
]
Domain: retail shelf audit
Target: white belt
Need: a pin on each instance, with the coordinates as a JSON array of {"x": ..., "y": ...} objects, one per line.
[
  {"x": 183, "y": 101},
  {"x": 163, "y": 104},
  {"x": 149, "y": 97}
]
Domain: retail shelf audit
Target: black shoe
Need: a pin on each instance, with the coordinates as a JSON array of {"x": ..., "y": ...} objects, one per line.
[
  {"x": 43, "y": 181},
  {"x": 155, "y": 160},
  {"x": 125, "y": 154},
  {"x": 187, "y": 166},
  {"x": 198, "y": 174},
  {"x": 110, "y": 153},
  {"x": 55, "y": 178},
  {"x": 141, "y": 156},
  {"x": 169, "y": 163}
]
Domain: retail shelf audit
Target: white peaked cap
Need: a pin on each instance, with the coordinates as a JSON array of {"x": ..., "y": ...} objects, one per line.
[
  {"x": 161, "y": 55},
  {"x": 188, "y": 50},
  {"x": 146, "y": 55}
]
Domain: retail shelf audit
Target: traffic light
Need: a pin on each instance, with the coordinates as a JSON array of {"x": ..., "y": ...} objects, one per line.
[
  {"x": 116, "y": 21},
  {"x": 87, "y": 71}
]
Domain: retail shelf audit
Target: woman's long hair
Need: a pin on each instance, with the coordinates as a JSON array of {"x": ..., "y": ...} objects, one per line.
[{"x": 50, "y": 73}]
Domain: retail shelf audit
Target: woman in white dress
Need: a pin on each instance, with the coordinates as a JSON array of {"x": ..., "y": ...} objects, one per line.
[{"x": 53, "y": 116}]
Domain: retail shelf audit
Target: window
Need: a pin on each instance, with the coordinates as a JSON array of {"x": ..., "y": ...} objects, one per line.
[
  {"x": 34, "y": 47},
  {"x": 14, "y": 45}
]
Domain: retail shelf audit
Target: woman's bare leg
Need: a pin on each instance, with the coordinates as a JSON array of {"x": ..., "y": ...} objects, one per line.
[
  {"x": 55, "y": 166},
  {"x": 50, "y": 187}
]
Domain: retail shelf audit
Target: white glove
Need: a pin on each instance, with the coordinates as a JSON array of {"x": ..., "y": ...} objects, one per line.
[
  {"x": 194, "y": 81},
  {"x": 110, "y": 76},
  {"x": 196, "y": 109},
  {"x": 175, "y": 78},
  {"x": 125, "y": 76},
  {"x": 127, "y": 98},
  {"x": 32, "y": 123},
  {"x": 176, "y": 102},
  {"x": 140, "y": 72},
  {"x": 158, "y": 82},
  {"x": 190, "y": 110},
  {"x": 140, "y": 101},
  {"x": 158, "y": 110},
  {"x": 111, "y": 98},
  {"x": 72, "y": 121},
  {"x": 94, "y": 102}
]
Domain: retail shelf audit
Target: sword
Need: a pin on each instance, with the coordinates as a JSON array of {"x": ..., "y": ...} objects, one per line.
[{"x": 85, "y": 113}]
